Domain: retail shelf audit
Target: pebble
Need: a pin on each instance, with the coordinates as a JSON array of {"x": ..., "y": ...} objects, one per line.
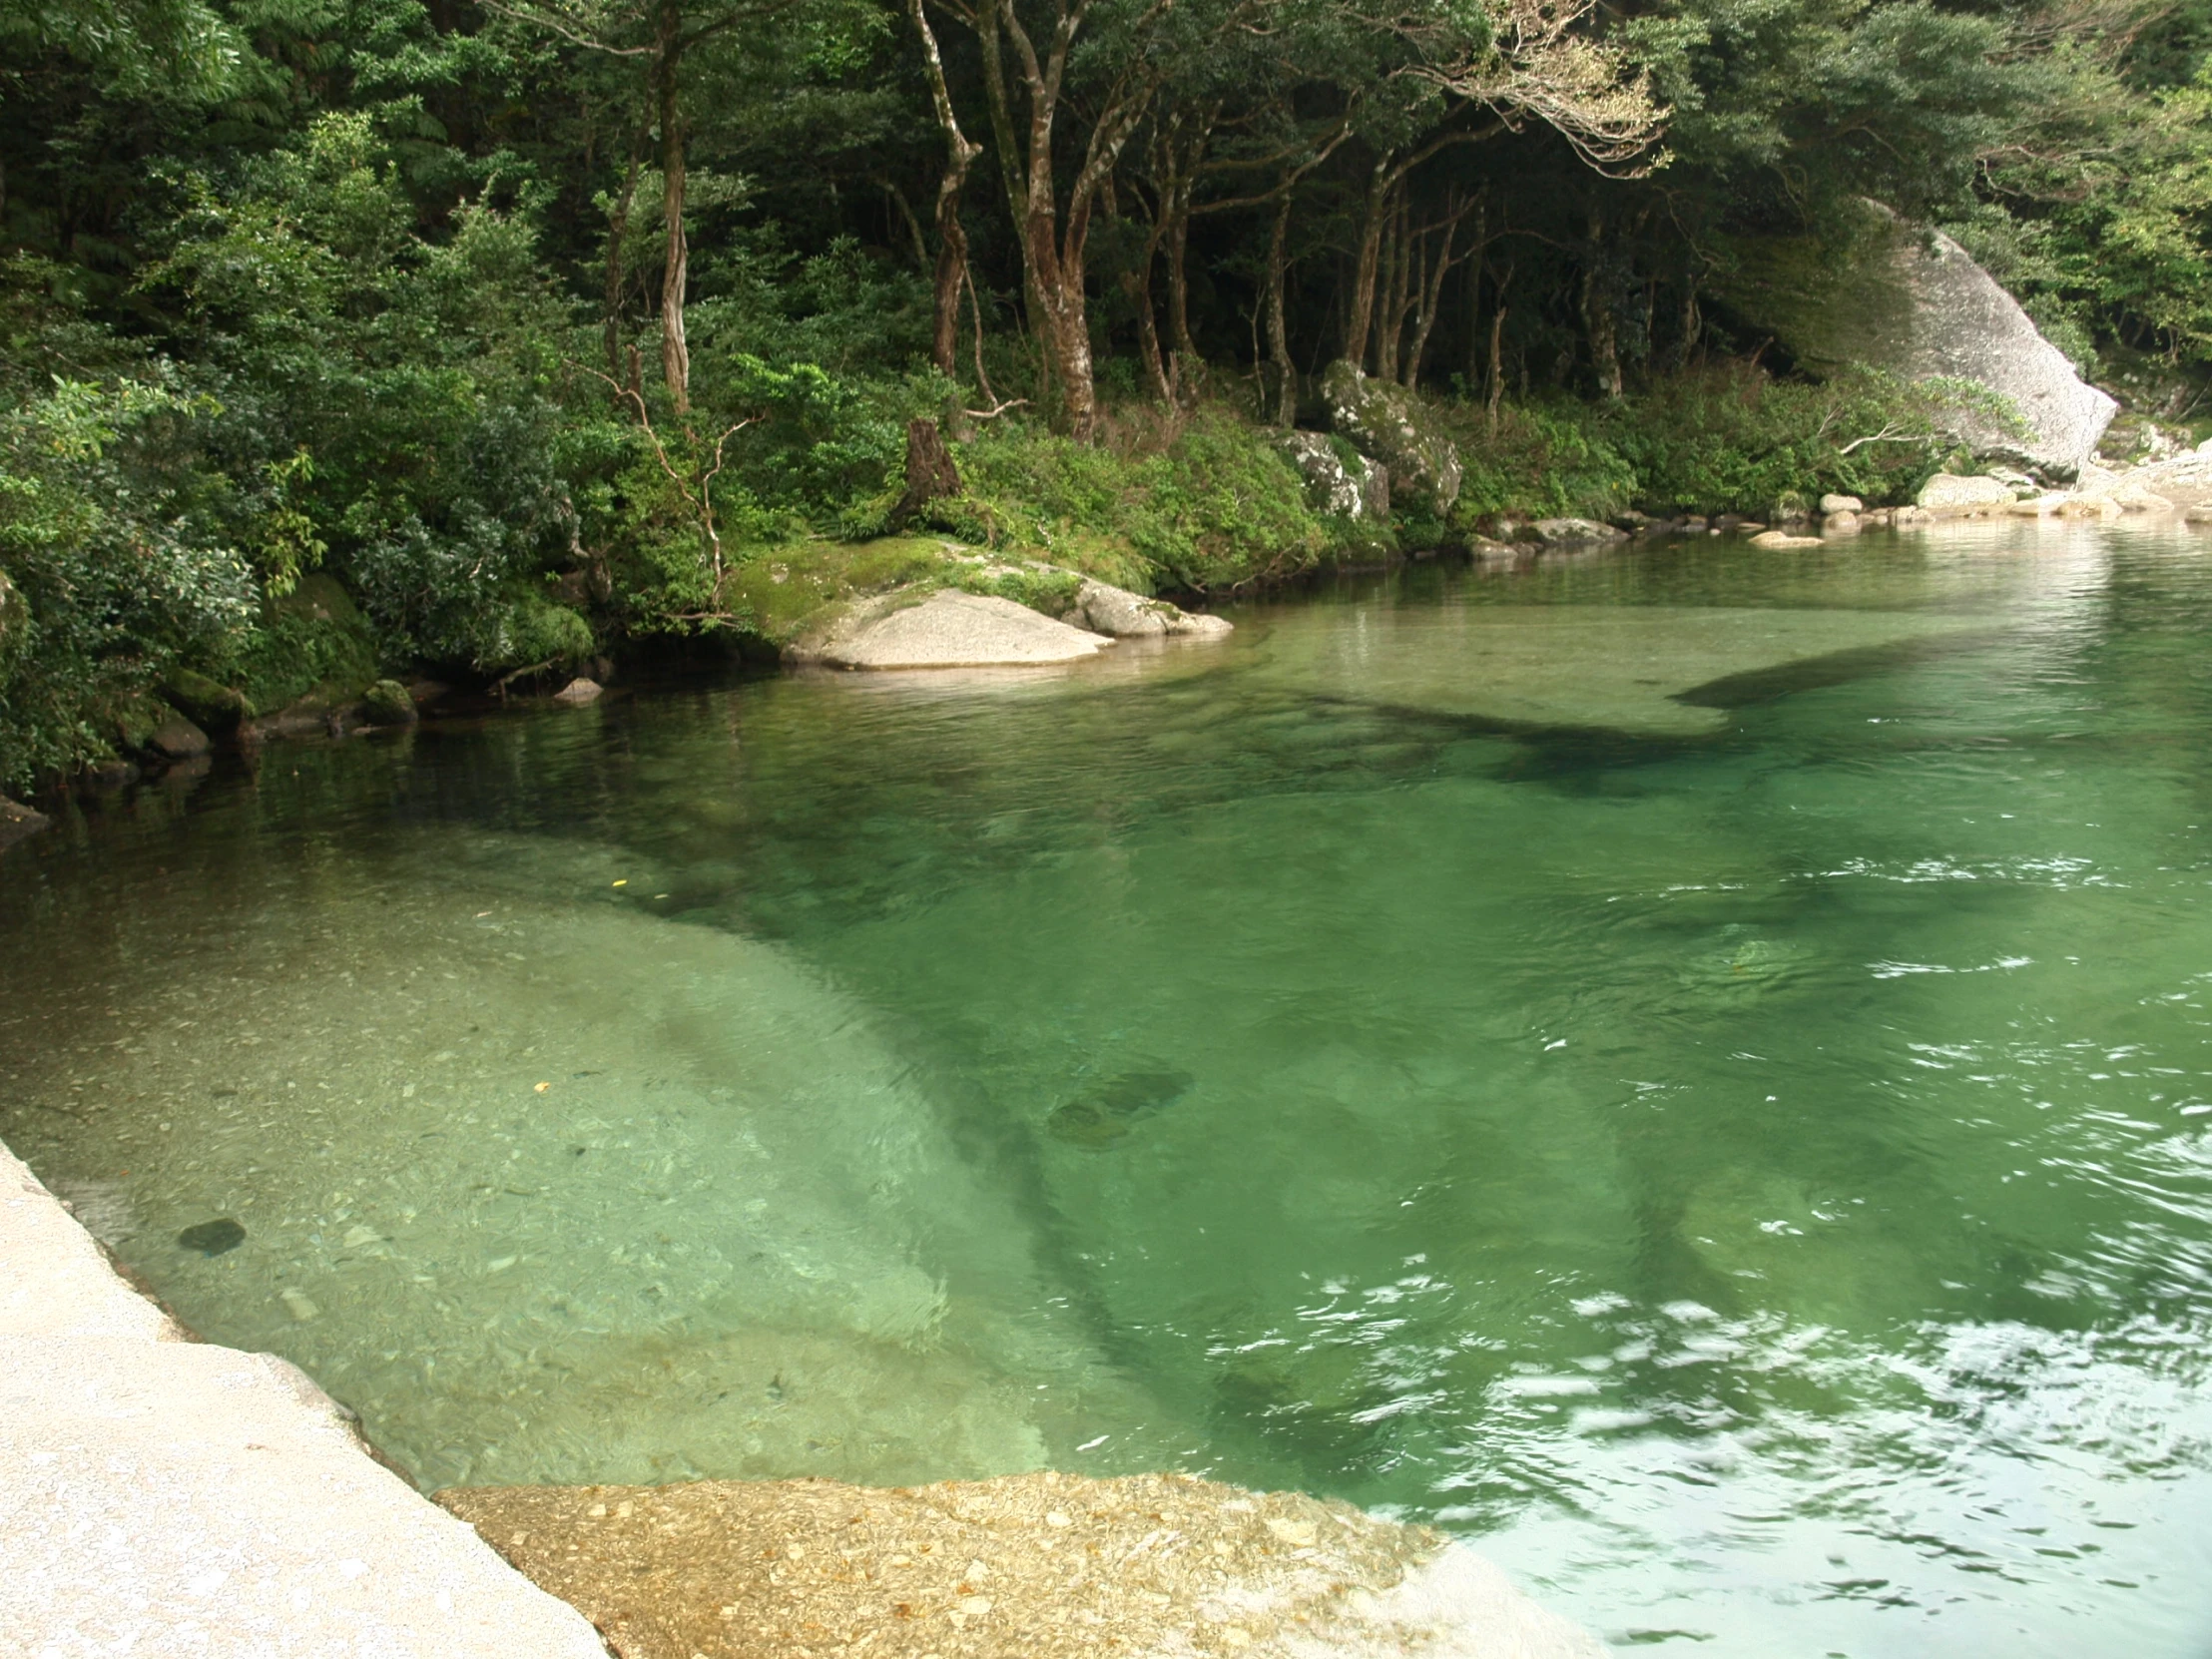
[{"x": 302, "y": 1304}]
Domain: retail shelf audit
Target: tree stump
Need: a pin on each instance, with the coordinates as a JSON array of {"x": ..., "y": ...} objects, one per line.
[{"x": 930, "y": 473}]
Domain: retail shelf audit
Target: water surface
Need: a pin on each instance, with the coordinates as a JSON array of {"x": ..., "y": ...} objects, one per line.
[{"x": 1688, "y": 1068}]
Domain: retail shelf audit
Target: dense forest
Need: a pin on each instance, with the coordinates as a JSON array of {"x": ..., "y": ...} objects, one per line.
[{"x": 495, "y": 335}]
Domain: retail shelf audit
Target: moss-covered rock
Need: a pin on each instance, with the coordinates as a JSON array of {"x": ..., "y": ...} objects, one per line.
[
  {"x": 312, "y": 643},
  {"x": 205, "y": 701},
  {"x": 389, "y": 702},
  {"x": 1388, "y": 422}
]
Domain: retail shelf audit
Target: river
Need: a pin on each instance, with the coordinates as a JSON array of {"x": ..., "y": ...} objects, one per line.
[{"x": 1687, "y": 1067}]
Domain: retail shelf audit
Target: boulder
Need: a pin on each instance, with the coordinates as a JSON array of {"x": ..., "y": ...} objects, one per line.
[
  {"x": 1871, "y": 288},
  {"x": 1839, "y": 524},
  {"x": 17, "y": 822},
  {"x": 1102, "y": 607},
  {"x": 1783, "y": 538},
  {"x": 1388, "y": 423},
  {"x": 1349, "y": 486},
  {"x": 177, "y": 739},
  {"x": 389, "y": 702},
  {"x": 952, "y": 629},
  {"x": 1575, "y": 532},
  {"x": 205, "y": 701},
  {"x": 576, "y": 693},
  {"x": 1949, "y": 495},
  {"x": 1831, "y": 504}
]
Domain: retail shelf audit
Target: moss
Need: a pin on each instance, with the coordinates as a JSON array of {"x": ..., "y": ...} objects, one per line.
[{"x": 309, "y": 644}]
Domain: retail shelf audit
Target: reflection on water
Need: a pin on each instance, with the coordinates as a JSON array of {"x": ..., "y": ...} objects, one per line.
[{"x": 1689, "y": 1067}]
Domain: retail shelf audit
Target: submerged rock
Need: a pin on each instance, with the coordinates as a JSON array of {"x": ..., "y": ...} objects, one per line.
[
  {"x": 1103, "y": 1116},
  {"x": 579, "y": 690},
  {"x": 213, "y": 1238},
  {"x": 1027, "y": 1566}
]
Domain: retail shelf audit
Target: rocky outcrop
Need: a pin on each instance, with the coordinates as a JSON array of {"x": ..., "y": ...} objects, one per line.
[
  {"x": 1386, "y": 422},
  {"x": 1871, "y": 288},
  {"x": 950, "y": 628},
  {"x": 1351, "y": 486},
  {"x": 1029, "y": 1566},
  {"x": 1575, "y": 532}
]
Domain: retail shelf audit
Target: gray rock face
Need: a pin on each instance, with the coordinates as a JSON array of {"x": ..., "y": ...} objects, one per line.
[
  {"x": 1357, "y": 489},
  {"x": 1386, "y": 423},
  {"x": 952, "y": 629},
  {"x": 1575, "y": 532},
  {"x": 1910, "y": 301}
]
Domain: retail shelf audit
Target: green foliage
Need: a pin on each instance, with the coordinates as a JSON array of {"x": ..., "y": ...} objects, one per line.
[
  {"x": 1217, "y": 508},
  {"x": 116, "y": 570}
]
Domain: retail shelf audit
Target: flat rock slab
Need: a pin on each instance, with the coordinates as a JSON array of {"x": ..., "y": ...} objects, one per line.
[
  {"x": 1624, "y": 668},
  {"x": 174, "y": 1498},
  {"x": 952, "y": 629},
  {"x": 1034, "y": 1567}
]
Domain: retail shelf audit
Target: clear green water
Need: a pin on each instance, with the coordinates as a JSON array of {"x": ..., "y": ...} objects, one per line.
[{"x": 1746, "y": 1161}]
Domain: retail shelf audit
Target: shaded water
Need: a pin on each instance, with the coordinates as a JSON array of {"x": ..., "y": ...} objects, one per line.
[{"x": 1690, "y": 1068}]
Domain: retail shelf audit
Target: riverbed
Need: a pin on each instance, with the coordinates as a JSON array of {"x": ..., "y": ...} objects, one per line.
[{"x": 1687, "y": 1067}]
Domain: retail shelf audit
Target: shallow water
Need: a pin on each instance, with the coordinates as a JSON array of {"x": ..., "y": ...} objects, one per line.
[{"x": 1689, "y": 1069}]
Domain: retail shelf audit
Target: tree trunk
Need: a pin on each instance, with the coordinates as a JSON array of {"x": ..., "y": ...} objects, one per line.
[
  {"x": 1279, "y": 329},
  {"x": 930, "y": 473},
  {"x": 1179, "y": 281},
  {"x": 1598, "y": 322},
  {"x": 1431, "y": 295},
  {"x": 1391, "y": 301},
  {"x": 960, "y": 154},
  {"x": 675, "y": 351},
  {"x": 1359, "y": 321},
  {"x": 1497, "y": 350},
  {"x": 618, "y": 232}
]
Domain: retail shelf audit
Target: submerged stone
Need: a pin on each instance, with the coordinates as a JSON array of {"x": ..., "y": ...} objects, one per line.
[
  {"x": 1104, "y": 1116},
  {"x": 213, "y": 1238}
]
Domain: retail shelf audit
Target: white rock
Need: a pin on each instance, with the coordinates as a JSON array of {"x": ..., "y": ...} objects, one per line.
[
  {"x": 1831, "y": 504},
  {"x": 1783, "y": 538},
  {"x": 952, "y": 629},
  {"x": 1950, "y": 495},
  {"x": 1570, "y": 532},
  {"x": 579, "y": 690}
]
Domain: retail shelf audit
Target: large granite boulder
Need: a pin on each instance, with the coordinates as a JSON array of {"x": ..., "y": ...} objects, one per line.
[
  {"x": 1102, "y": 607},
  {"x": 1870, "y": 289},
  {"x": 1949, "y": 495},
  {"x": 1386, "y": 422},
  {"x": 952, "y": 629},
  {"x": 1348, "y": 485}
]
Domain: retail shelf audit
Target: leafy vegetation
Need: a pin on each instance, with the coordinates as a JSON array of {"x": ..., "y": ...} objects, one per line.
[{"x": 341, "y": 338}]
